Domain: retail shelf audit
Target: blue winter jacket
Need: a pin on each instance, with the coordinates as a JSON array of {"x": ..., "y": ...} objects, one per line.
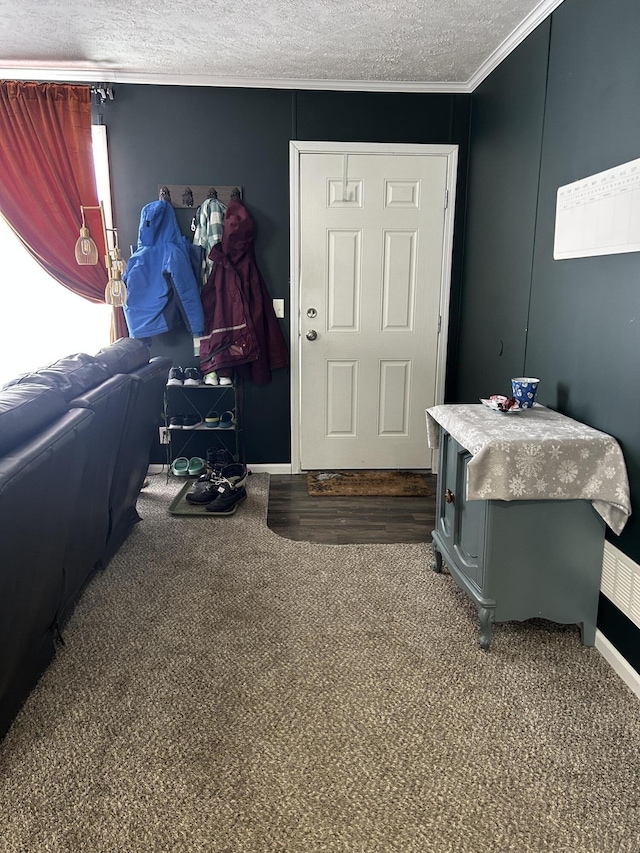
[{"x": 161, "y": 285}]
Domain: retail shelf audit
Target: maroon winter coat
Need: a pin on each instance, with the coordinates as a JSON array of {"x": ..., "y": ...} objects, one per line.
[{"x": 241, "y": 328}]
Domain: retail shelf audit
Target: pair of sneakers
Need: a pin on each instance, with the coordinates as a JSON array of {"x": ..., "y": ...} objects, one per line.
[
  {"x": 189, "y": 376},
  {"x": 190, "y": 421},
  {"x": 220, "y": 489},
  {"x": 212, "y": 378}
]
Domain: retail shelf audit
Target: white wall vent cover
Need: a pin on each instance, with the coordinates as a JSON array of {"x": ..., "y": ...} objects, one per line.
[{"x": 621, "y": 582}]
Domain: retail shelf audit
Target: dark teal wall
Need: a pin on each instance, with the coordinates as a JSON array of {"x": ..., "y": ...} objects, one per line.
[
  {"x": 174, "y": 135},
  {"x": 563, "y": 106},
  {"x": 192, "y": 135},
  {"x": 584, "y": 332},
  {"x": 375, "y": 116},
  {"x": 507, "y": 116}
]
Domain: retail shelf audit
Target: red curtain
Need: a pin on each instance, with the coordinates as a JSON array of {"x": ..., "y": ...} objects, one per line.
[{"x": 46, "y": 174}]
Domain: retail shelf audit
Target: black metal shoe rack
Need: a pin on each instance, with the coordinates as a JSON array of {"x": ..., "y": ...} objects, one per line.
[{"x": 200, "y": 400}]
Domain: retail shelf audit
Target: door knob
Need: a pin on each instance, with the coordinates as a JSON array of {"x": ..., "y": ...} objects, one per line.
[
  {"x": 312, "y": 335},
  {"x": 449, "y": 496}
]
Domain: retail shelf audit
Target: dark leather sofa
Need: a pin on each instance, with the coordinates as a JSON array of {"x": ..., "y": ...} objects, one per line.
[{"x": 75, "y": 439}]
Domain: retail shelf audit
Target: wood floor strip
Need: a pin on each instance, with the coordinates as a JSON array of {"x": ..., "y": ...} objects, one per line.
[{"x": 294, "y": 514}]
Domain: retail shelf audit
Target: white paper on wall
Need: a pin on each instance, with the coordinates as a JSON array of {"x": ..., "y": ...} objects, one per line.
[{"x": 599, "y": 215}]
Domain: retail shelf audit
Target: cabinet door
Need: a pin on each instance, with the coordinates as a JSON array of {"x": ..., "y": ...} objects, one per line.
[
  {"x": 469, "y": 536},
  {"x": 449, "y": 450}
]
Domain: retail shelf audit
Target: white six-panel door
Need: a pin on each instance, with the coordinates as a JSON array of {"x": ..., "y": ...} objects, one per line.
[{"x": 372, "y": 238}]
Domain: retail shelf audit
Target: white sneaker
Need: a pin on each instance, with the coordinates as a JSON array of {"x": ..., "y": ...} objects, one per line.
[
  {"x": 192, "y": 376},
  {"x": 226, "y": 380},
  {"x": 211, "y": 378}
]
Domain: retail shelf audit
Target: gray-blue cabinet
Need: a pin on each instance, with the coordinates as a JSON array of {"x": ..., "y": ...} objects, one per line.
[{"x": 517, "y": 559}]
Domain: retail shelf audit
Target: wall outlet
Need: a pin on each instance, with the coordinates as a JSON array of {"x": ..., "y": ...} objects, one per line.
[{"x": 163, "y": 435}]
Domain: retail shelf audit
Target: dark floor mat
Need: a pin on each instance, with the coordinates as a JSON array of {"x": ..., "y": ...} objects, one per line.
[{"x": 367, "y": 483}]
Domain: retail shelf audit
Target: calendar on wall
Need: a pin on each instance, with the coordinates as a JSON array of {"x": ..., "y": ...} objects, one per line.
[{"x": 599, "y": 215}]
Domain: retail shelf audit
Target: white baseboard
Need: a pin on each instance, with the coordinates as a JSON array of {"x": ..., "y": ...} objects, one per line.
[
  {"x": 618, "y": 663},
  {"x": 273, "y": 468}
]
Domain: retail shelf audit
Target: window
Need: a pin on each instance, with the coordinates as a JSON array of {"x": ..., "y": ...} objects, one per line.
[{"x": 47, "y": 321}]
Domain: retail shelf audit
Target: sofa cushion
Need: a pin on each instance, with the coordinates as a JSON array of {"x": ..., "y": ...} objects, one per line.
[
  {"x": 72, "y": 375},
  {"x": 24, "y": 410},
  {"x": 123, "y": 356}
]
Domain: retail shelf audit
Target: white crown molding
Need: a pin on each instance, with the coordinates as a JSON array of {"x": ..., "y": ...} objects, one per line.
[
  {"x": 83, "y": 74},
  {"x": 536, "y": 17}
]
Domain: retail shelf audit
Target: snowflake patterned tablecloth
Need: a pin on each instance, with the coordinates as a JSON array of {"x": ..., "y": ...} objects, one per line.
[{"x": 536, "y": 454}]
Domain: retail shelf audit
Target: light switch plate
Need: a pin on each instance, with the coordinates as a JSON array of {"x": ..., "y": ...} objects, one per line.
[{"x": 278, "y": 307}]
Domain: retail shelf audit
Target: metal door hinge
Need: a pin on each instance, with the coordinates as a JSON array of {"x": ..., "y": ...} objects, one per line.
[
  {"x": 439, "y": 323},
  {"x": 446, "y": 199}
]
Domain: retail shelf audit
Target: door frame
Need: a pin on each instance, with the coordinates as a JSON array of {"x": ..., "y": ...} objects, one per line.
[{"x": 296, "y": 149}]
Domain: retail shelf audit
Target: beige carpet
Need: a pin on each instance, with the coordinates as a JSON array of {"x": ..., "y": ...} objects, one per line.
[
  {"x": 227, "y": 691},
  {"x": 403, "y": 484}
]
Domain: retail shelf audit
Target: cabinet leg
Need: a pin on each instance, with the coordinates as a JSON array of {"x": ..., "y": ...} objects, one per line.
[
  {"x": 436, "y": 560},
  {"x": 485, "y": 614},
  {"x": 588, "y": 633}
]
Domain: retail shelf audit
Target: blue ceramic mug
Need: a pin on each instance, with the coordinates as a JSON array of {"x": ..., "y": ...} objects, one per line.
[{"x": 524, "y": 390}]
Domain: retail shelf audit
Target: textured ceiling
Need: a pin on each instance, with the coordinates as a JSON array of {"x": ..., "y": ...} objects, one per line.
[{"x": 366, "y": 41}]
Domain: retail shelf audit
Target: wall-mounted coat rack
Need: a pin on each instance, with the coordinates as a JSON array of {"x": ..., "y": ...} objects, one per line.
[{"x": 190, "y": 196}]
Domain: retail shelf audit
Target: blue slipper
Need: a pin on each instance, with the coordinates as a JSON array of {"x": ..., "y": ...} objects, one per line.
[
  {"x": 180, "y": 466},
  {"x": 196, "y": 466},
  {"x": 227, "y": 421}
]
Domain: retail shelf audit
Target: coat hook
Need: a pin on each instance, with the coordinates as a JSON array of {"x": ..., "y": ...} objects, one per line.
[{"x": 165, "y": 194}]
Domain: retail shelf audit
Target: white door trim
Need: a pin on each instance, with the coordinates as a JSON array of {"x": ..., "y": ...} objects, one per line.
[{"x": 296, "y": 149}]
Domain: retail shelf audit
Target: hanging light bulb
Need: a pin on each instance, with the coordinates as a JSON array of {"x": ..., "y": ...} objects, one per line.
[
  {"x": 86, "y": 249},
  {"x": 115, "y": 292}
]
